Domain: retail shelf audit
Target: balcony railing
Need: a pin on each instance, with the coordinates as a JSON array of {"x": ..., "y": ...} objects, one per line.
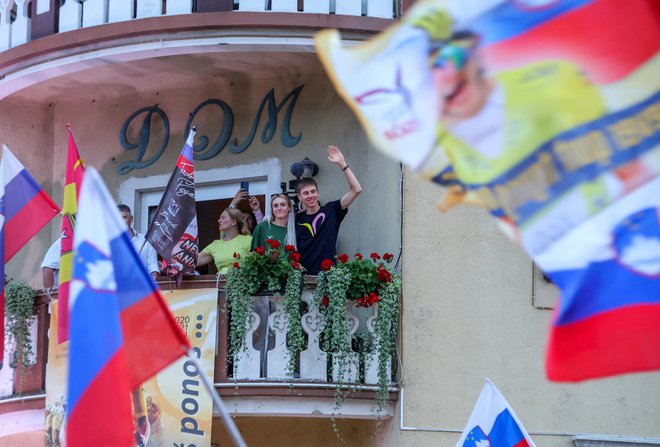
[
  {"x": 262, "y": 369},
  {"x": 25, "y": 20}
]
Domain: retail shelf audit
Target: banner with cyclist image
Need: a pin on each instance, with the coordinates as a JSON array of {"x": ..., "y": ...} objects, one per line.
[{"x": 173, "y": 407}]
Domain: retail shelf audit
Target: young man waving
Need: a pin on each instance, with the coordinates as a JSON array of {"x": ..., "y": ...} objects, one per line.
[{"x": 317, "y": 226}]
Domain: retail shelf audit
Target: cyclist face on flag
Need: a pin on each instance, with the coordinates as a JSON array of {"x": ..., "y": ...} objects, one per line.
[{"x": 459, "y": 77}]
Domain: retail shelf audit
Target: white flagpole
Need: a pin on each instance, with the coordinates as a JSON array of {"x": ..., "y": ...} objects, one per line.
[{"x": 228, "y": 421}]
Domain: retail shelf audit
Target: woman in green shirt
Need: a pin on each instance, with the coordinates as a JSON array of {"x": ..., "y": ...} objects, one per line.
[
  {"x": 233, "y": 239},
  {"x": 279, "y": 226}
]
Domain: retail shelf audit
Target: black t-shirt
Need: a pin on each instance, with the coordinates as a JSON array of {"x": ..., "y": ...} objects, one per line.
[{"x": 316, "y": 235}]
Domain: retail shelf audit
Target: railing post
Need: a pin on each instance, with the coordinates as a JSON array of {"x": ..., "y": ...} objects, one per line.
[
  {"x": 5, "y": 26},
  {"x": 20, "y": 29},
  {"x": 173, "y": 7},
  {"x": 70, "y": 16},
  {"x": 45, "y": 18},
  {"x": 214, "y": 5}
]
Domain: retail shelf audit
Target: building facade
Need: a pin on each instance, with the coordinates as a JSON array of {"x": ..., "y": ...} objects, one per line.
[{"x": 132, "y": 77}]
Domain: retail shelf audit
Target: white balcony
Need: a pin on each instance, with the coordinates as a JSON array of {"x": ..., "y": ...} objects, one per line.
[{"x": 17, "y": 16}]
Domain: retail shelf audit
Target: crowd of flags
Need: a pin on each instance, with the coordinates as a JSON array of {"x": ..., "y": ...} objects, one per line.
[{"x": 112, "y": 310}]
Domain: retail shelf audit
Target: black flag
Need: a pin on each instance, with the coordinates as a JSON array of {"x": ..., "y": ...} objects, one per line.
[{"x": 173, "y": 233}]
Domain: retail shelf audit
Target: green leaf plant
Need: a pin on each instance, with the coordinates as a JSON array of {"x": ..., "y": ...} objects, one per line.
[
  {"x": 366, "y": 282},
  {"x": 19, "y": 307},
  {"x": 269, "y": 269}
]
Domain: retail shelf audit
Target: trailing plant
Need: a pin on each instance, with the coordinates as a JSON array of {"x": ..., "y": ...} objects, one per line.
[
  {"x": 272, "y": 270},
  {"x": 19, "y": 306},
  {"x": 366, "y": 282}
]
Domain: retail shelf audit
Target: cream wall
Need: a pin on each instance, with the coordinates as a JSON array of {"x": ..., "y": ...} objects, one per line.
[
  {"x": 98, "y": 110},
  {"x": 468, "y": 315}
]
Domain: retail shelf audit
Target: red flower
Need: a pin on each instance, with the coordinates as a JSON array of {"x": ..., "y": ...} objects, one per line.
[
  {"x": 374, "y": 255},
  {"x": 325, "y": 301},
  {"x": 373, "y": 298},
  {"x": 295, "y": 256},
  {"x": 388, "y": 257},
  {"x": 295, "y": 265},
  {"x": 236, "y": 255},
  {"x": 261, "y": 250},
  {"x": 289, "y": 248},
  {"x": 358, "y": 256},
  {"x": 326, "y": 265},
  {"x": 274, "y": 244},
  {"x": 236, "y": 265},
  {"x": 384, "y": 275},
  {"x": 343, "y": 258}
]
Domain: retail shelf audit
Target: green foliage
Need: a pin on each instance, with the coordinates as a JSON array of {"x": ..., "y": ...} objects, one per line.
[
  {"x": 19, "y": 307},
  {"x": 366, "y": 282},
  {"x": 270, "y": 269}
]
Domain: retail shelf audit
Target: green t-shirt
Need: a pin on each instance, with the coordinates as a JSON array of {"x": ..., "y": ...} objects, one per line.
[
  {"x": 222, "y": 252},
  {"x": 266, "y": 230}
]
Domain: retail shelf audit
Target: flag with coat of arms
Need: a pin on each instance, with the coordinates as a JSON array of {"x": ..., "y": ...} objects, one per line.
[{"x": 493, "y": 423}]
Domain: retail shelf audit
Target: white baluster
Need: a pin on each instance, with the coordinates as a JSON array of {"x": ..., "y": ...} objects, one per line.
[
  {"x": 317, "y": 6},
  {"x": 6, "y": 371},
  {"x": 246, "y": 363},
  {"x": 178, "y": 7},
  {"x": 95, "y": 12},
  {"x": 149, "y": 8},
  {"x": 278, "y": 356},
  {"x": 5, "y": 23},
  {"x": 252, "y": 5},
  {"x": 351, "y": 368},
  {"x": 284, "y": 5},
  {"x": 371, "y": 365},
  {"x": 349, "y": 7},
  {"x": 70, "y": 16},
  {"x": 380, "y": 8},
  {"x": 20, "y": 29},
  {"x": 42, "y": 6},
  {"x": 33, "y": 328},
  {"x": 313, "y": 361},
  {"x": 120, "y": 10}
]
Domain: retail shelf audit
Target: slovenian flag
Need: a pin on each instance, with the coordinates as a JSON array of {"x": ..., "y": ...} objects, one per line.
[
  {"x": 493, "y": 423},
  {"x": 75, "y": 169},
  {"x": 121, "y": 331},
  {"x": 24, "y": 210},
  {"x": 546, "y": 113}
]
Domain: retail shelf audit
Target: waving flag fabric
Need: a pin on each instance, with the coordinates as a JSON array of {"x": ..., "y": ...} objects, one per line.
[
  {"x": 547, "y": 114},
  {"x": 173, "y": 233},
  {"x": 122, "y": 332},
  {"x": 493, "y": 423},
  {"x": 24, "y": 210},
  {"x": 72, "y": 183}
]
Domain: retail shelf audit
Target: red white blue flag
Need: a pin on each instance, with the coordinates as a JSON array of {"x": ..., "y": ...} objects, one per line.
[
  {"x": 121, "y": 331},
  {"x": 546, "y": 113},
  {"x": 24, "y": 210},
  {"x": 493, "y": 423},
  {"x": 173, "y": 233}
]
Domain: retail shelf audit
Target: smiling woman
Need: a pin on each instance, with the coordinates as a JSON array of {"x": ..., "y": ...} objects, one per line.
[
  {"x": 233, "y": 239},
  {"x": 279, "y": 226}
]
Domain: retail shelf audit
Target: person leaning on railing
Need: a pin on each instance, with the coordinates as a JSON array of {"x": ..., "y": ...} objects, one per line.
[{"x": 233, "y": 239}]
